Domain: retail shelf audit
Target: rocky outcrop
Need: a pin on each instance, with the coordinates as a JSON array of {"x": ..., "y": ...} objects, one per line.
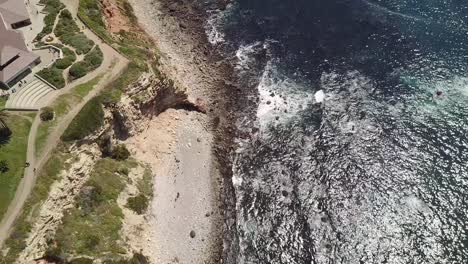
[
  {"x": 62, "y": 197},
  {"x": 147, "y": 98}
]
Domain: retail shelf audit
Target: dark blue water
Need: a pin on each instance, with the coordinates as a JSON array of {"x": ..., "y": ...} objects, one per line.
[{"x": 376, "y": 172}]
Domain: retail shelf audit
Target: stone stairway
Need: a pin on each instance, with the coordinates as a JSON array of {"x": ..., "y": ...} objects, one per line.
[{"x": 29, "y": 96}]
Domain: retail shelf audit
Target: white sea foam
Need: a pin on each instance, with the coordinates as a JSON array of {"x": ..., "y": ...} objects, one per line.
[
  {"x": 236, "y": 180},
  {"x": 214, "y": 25},
  {"x": 244, "y": 55},
  {"x": 281, "y": 98},
  {"x": 319, "y": 96}
]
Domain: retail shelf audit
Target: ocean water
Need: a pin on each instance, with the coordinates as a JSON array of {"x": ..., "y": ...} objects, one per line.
[{"x": 355, "y": 129}]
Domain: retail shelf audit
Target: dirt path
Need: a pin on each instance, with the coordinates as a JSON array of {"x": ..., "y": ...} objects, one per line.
[{"x": 111, "y": 67}]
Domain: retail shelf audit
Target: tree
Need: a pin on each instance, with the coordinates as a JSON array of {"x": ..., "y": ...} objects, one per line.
[
  {"x": 47, "y": 114},
  {"x": 4, "y": 166},
  {"x": 5, "y": 132}
]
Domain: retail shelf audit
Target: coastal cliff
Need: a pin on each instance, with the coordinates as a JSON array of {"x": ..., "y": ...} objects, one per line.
[{"x": 146, "y": 182}]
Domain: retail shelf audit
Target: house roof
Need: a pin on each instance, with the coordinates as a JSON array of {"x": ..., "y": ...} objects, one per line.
[
  {"x": 14, "y": 55},
  {"x": 13, "y": 11}
]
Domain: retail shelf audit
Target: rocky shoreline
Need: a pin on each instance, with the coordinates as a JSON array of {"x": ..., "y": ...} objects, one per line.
[{"x": 190, "y": 60}]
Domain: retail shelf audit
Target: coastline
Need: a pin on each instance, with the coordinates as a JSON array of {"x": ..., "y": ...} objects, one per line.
[{"x": 192, "y": 183}]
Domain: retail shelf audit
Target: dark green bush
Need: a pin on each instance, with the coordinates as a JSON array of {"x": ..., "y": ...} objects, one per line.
[
  {"x": 47, "y": 114},
  {"x": 69, "y": 57},
  {"x": 52, "y": 8},
  {"x": 138, "y": 204},
  {"x": 91, "y": 61},
  {"x": 78, "y": 70},
  {"x": 66, "y": 24},
  {"x": 69, "y": 33},
  {"x": 88, "y": 120},
  {"x": 79, "y": 41},
  {"x": 4, "y": 166},
  {"x": 120, "y": 152},
  {"x": 53, "y": 75}
]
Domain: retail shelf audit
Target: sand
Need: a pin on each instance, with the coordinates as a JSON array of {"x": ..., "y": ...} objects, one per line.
[{"x": 177, "y": 146}]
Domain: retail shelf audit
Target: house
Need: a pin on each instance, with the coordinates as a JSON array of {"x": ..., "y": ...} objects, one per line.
[
  {"x": 14, "y": 13},
  {"x": 16, "y": 61}
]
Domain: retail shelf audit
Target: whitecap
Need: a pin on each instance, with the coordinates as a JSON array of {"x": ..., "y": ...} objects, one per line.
[
  {"x": 213, "y": 28},
  {"x": 281, "y": 98},
  {"x": 319, "y": 96}
]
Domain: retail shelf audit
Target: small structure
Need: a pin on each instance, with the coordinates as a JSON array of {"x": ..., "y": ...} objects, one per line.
[{"x": 16, "y": 61}]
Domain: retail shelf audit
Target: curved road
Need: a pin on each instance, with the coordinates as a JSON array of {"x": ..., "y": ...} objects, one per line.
[{"x": 111, "y": 67}]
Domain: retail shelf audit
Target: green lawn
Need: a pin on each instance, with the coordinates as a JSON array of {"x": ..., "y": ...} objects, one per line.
[
  {"x": 83, "y": 89},
  {"x": 14, "y": 153},
  {"x": 46, "y": 177},
  {"x": 62, "y": 106},
  {"x": 86, "y": 122},
  {"x": 3, "y": 101}
]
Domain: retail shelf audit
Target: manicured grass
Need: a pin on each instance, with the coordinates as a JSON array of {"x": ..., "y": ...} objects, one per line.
[
  {"x": 92, "y": 227},
  {"x": 46, "y": 177},
  {"x": 62, "y": 106},
  {"x": 91, "y": 61},
  {"x": 3, "y": 100},
  {"x": 83, "y": 90},
  {"x": 88, "y": 120},
  {"x": 13, "y": 151}
]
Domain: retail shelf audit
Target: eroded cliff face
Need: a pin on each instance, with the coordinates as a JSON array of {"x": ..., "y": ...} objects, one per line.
[
  {"x": 144, "y": 100},
  {"x": 140, "y": 103},
  {"x": 61, "y": 198}
]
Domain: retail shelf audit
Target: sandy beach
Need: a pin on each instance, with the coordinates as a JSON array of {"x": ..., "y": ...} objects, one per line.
[{"x": 185, "y": 223}]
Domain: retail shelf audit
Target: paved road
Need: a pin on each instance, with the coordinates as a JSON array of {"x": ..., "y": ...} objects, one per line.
[{"x": 111, "y": 67}]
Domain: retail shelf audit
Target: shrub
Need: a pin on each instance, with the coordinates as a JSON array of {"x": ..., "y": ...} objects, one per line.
[
  {"x": 4, "y": 166},
  {"x": 78, "y": 70},
  {"x": 91, "y": 61},
  {"x": 52, "y": 8},
  {"x": 5, "y": 132},
  {"x": 88, "y": 120},
  {"x": 53, "y": 76},
  {"x": 90, "y": 13},
  {"x": 69, "y": 57},
  {"x": 66, "y": 24},
  {"x": 120, "y": 152},
  {"x": 89, "y": 198},
  {"x": 79, "y": 41},
  {"x": 47, "y": 114},
  {"x": 138, "y": 204},
  {"x": 91, "y": 241},
  {"x": 69, "y": 33}
]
